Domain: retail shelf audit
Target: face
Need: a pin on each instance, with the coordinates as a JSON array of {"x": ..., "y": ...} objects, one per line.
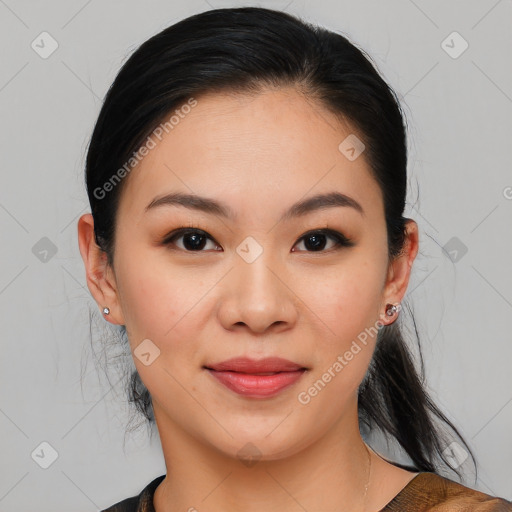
[{"x": 244, "y": 280}]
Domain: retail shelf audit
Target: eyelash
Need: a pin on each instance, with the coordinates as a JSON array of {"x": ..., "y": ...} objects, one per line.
[{"x": 340, "y": 239}]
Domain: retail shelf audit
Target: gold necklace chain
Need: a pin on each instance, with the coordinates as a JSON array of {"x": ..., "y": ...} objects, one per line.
[{"x": 369, "y": 475}]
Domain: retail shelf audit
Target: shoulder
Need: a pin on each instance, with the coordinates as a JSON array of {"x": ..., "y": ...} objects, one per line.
[
  {"x": 434, "y": 493},
  {"x": 143, "y": 502}
]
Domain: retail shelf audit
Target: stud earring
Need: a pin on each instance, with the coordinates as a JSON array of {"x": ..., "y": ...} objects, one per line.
[
  {"x": 391, "y": 309},
  {"x": 106, "y": 310}
]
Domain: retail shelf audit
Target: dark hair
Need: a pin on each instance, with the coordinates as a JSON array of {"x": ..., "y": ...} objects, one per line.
[{"x": 245, "y": 50}]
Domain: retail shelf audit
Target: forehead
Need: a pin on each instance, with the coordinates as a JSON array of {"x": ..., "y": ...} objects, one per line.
[{"x": 248, "y": 149}]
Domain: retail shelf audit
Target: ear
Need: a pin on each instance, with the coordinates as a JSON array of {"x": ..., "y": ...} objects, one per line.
[
  {"x": 399, "y": 270},
  {"x": 100, "y": 276}
]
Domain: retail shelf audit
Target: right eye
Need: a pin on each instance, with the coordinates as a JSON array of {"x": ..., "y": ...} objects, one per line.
[{"x": 194, "y": 240}]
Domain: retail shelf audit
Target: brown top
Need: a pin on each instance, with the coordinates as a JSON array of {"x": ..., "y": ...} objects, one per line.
[{"x": 425, "y": 492}]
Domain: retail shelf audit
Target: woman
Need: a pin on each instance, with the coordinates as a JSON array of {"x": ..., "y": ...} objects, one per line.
[{"x": 247, "y": 180}]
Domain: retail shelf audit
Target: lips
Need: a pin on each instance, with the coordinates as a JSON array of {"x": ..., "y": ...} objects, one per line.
[{"x": 262, "y": 378}]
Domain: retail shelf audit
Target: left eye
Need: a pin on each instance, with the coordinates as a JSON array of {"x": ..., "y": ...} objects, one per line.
[{"x": 316, "y": 240}]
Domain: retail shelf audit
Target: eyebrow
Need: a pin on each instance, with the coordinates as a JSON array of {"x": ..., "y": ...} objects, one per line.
[{"x": 211, "y": 206}]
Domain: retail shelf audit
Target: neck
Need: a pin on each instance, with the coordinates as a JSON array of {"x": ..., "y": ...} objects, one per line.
[{"x": 330, "y": 473}]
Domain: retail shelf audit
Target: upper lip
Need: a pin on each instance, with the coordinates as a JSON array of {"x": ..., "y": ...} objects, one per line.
[{"x": 248, "y": 365}]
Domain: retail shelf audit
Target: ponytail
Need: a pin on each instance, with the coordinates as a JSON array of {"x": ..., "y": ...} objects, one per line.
[{"x": 393, "y": 397}]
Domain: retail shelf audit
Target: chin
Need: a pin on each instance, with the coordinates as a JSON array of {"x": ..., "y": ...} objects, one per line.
[{"x": 257, "y": 445}]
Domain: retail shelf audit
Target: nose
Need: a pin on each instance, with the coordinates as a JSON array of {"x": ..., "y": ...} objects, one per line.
[{"x": 257, "y": 297}]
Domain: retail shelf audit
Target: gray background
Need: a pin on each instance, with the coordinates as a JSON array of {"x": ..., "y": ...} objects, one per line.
[{"x": 459, "y": 113}]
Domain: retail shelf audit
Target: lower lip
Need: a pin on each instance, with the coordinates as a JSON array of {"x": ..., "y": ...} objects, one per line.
[{"x": 257, "y": 386}]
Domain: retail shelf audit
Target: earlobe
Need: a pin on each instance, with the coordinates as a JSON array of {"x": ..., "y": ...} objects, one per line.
[{"x": 100, "y": 279}]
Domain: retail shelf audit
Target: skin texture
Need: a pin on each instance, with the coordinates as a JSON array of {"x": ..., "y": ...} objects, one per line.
[{"x": 259, "y": 154}]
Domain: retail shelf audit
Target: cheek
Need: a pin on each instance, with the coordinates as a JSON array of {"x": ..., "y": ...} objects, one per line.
[
  {"x": 153, "y": 298},
  {"x": 167, "y": 304},
  {"x": 346, "y": 314},
  {"x": 161, "y": 309},
  {"x": 344, "y": 299}
]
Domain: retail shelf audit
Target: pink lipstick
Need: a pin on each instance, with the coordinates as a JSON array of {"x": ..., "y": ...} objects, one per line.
[{"x": 262, "y": 378}]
